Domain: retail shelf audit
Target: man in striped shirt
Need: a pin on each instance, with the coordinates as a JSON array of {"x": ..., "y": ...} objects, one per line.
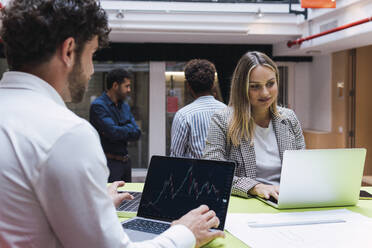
[{"x": 191, "y": 123}]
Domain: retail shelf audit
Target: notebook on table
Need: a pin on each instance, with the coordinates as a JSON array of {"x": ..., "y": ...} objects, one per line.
[
  {"x": 173, "y": 187},
  {"x": 320, "y": 178}
]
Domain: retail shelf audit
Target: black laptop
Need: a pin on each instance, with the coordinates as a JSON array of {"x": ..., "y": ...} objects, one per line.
[{"x": 173, "y": 187}]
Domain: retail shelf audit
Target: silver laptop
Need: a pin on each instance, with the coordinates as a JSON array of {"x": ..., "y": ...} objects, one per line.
[
  {"x": 173, "y": 187},
  {"x": 320, "y": 178},
  {"x": 129, "y": 208}
]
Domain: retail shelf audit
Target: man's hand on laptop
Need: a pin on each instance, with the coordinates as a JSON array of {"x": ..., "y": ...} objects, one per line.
[
  {"x": 117, "y": 197},
  {"x": 265, "y": 191},
  {"x": 199, "y": 221}
]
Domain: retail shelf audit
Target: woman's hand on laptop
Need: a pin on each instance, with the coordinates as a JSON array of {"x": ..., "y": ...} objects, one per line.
[
  {"x": 265, "y": 191},
  {"x": 117, "y": 197},
  {"x": 199, "y": 221}
]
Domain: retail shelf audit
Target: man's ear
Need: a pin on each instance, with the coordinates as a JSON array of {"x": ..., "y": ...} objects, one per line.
[
  {"x": 115, "y": 85},
  {"x": 68, "y": 51},
  {"x": 190, "y": 89}
]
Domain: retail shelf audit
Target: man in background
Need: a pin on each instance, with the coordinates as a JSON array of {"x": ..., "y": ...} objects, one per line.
[
  {"x": 53, "y": 172},
  {"x": 115, "y": 124},
  {"x": 190, "y": 124}
]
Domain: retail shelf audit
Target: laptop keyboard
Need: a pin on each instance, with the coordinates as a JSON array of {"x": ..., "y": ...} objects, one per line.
[
  {"x": 131, "y": 205},
  {"x": 272, "y": 199},
  {"x": 146, "y": 226}
]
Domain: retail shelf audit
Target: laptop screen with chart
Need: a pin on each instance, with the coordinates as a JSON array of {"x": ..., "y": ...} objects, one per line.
[{"x": 174, "y": 186}]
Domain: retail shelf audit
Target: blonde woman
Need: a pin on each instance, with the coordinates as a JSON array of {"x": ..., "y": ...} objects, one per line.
[{"x": 253, "y": 130}]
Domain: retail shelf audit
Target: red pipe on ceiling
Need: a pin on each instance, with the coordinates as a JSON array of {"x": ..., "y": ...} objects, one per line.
[{"x": 299, "y": 41}]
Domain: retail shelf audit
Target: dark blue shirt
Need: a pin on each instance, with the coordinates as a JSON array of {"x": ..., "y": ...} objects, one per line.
[{"x": 114, "y": 123}]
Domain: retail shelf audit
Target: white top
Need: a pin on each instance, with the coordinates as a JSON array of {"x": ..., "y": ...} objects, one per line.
[
  {"x": 267, "y": 155},
  {"x": 53, "y": 175}
]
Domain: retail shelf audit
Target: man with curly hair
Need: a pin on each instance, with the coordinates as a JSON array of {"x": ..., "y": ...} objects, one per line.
[
  {"x": 190, "y": 124},
  {"x": 53, "y": 171}
]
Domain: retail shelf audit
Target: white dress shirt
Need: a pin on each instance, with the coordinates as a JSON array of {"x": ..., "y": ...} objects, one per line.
[
  {"x": 268, "y": 161},
  {"x": 53, "y": 175}
]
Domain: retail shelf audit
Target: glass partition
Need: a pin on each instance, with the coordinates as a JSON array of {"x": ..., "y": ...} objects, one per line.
[{"x": 138, "y": 101}]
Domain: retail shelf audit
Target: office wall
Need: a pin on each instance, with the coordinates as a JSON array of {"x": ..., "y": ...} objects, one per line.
[
  {"x": 329, "y": 104},
  {"x": 363, "y": 112},
  {"x": 325, "y": 123},
  {"x": 312, "y": 93},
  {"x": 320, "y": 94},
  {"x": 301, "y": 93},
  {"x": 157, "y": 109},
  {"x": 341, "y": 76}
]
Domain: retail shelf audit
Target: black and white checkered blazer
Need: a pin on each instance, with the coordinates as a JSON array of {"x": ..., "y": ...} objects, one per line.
[{"x": 288, "y": 133}]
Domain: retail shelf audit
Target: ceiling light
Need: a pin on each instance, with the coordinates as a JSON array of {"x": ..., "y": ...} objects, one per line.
[
  {"x": 120, "y": 14},
  {"x": 259, "y": 13}
]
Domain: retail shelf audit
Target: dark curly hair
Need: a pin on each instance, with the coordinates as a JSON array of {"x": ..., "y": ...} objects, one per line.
[
  {"x": 200, "y": 75},
  {"x": 117, "y": 75},
  {"x": 32, "y": 30}
]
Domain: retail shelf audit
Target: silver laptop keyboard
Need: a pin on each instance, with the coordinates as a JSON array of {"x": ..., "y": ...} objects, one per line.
[
  {"x": 131, "y": 205},
  {"x": 146, "y": 226}
]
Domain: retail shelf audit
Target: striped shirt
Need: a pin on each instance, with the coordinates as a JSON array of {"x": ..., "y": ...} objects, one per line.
[{"x": 190, "y": 127}]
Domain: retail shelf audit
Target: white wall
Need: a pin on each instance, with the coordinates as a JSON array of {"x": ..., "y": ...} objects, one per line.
[
  {"x": 320, "y": 114},
  {"x": 312, "y": 93},
  {"x": 157, "y": 109},
  {"x": 301, "y": 93}
]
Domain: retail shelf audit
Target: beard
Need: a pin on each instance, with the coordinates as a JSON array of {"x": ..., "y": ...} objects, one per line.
[
  {"x": 77, "y": 83},
  {"x": 120, "y": 95}
]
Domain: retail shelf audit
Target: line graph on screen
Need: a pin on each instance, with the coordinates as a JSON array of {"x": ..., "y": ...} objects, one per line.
[{"x": 189, "y": 187}]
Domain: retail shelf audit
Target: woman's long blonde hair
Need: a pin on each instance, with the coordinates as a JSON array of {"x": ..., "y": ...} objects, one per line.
[{"x": 241, "y": 125}]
